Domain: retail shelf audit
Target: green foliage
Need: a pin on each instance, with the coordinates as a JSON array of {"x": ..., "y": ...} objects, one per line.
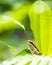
[
  {"x": 40, "y": 20},
  {"x": 5, "y": 44},
  {"x": 8, "y": 23},
  {"x": 25, "y": 51},
  {"x": 40, "y": 15},
  {"x": 28, "y": 63},
  {"x": 21, "y": 12}
]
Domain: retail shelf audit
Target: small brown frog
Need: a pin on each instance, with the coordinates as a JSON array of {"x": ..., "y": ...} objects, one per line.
[{"x": 33, "y": 47}]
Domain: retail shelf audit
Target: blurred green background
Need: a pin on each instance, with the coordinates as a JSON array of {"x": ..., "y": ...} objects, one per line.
[{"x": 15, "y": 36}]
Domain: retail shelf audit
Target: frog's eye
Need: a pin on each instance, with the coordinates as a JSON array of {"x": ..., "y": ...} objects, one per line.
[{"x": 30, "y": 41}]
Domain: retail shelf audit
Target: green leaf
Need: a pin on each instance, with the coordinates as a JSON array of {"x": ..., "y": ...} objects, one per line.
[
  {"x": 50, "y": 35},
  {"x": 20, "y": 12},
  {"x": 18, "y": 23},
  {"x": 24, "y": 52},
  {"x": 39, "y": 21},
  {"x": 8, "y": 23},
  {"x": 28, "y": 63},
  {"x": 5, "y": 44}
]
